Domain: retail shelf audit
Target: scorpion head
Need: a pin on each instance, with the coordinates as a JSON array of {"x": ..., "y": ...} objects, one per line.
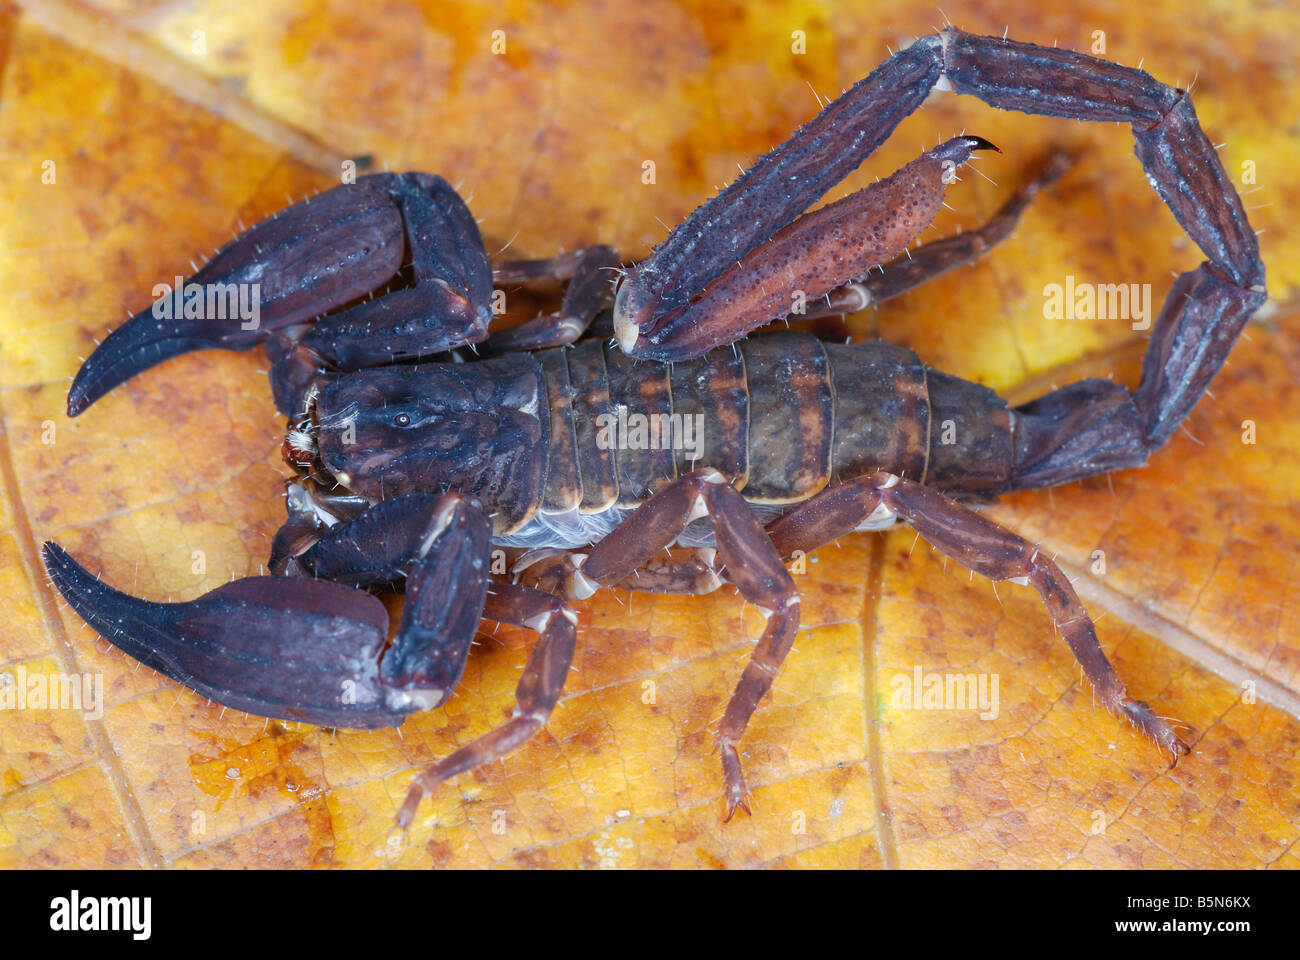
[{"x": 471, "y": 428}]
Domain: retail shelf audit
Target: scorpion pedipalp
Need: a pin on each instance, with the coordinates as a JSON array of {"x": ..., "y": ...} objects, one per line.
[
  {"x": 315, "y": 650},
  {"x": 267, "y": 284},
  {"x": 273, "y": 646}
]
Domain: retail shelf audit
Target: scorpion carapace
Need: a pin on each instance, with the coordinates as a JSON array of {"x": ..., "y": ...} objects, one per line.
[{"x": 413, "y": 457}]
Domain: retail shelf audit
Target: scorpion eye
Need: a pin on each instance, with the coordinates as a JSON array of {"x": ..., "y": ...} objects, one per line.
[{"x": 402, "y": 420}]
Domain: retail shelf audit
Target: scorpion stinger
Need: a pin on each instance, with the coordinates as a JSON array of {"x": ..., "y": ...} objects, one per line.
[
  {"x": 809, "y": 258},
  {"x": 307, "y": 260}
]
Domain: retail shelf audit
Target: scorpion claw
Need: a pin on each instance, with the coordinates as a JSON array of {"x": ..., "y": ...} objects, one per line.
[
  {"x": 1162, "y": 731},
  {"x": 140, "y": 343},
  {"x": 316, "y": 650},
  {"x": 309, "y": 260},
  {"x": 289, "y": 268},
  {"x": 290, "y": 648}
]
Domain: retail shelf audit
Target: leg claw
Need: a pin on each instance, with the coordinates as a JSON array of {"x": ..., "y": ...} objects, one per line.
[
  {"x": 744, "y": 802},
  {"x": 1162, "y": 731},
  {"x": 735, "y": 793}
]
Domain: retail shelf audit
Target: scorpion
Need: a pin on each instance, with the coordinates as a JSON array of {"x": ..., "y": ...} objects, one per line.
[{"x": 421, "y": 440}]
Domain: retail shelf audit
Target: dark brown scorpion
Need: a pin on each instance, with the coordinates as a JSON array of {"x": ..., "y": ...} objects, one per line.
[{"x": 414, "y": 459}]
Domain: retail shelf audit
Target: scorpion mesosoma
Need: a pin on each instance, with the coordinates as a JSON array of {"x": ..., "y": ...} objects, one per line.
[{"x": 414, "y": 459}]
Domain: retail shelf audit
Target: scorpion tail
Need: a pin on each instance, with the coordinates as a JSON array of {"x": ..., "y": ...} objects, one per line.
[
  {"x": 804, "y": 260},
  {"x": 293, "y": 648}
]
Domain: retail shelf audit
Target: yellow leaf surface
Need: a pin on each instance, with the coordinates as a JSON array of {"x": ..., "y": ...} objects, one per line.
[{"x": 170, "y": 125}]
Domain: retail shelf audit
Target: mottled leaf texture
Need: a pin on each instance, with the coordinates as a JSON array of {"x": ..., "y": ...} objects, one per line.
[{"x": 164, "y": 127}]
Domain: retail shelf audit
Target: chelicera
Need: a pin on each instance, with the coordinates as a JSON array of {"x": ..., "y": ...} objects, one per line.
[{"x": 414, "y": 457}]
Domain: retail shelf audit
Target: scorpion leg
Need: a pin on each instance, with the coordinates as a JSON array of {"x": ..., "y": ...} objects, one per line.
[
  {"x": 313, "y": 650},
  {"x": 805, "y": 260},
  {"x": 690, "y": 574},
  {"x": 980, "y": 545},
  {"x": 936, "y": 258},
  {"x": 544, "y": 271},
  {"x": 752, "y": 565},
  {"x": 589, "y": 291},
  {"x": 535, "y": 697}
]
